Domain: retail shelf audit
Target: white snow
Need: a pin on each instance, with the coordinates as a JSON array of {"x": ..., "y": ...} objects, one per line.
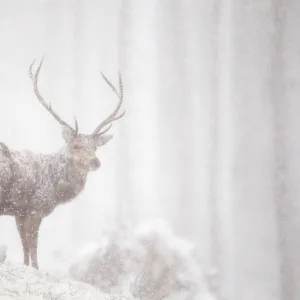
[
  {"x": 103, "y": 264},
  {"x": 19, "y": 282},
  {"x": 153, "y": 263}
]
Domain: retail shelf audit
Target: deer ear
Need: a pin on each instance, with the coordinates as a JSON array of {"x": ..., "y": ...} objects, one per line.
[
  {"x": 67, "y": 134},
  {"x": 101, "y": 140}
]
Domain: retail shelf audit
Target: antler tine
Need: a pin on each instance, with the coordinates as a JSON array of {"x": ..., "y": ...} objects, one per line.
[
  {"x": 34, "y": 78},
  {"x": 112, "y": 117},
  {"x": 105, "y": 130}
]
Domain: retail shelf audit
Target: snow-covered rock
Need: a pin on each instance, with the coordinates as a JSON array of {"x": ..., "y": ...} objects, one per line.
[
  {"x": 103, "y": 264},
  {"x": 153, "y": 263},
  {"x": 165, "y": 265}
]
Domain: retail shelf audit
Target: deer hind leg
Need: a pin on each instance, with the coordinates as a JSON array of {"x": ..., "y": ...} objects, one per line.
[
  {"x": 22, "y": 229},
  {"x": 33, "y": 227}
]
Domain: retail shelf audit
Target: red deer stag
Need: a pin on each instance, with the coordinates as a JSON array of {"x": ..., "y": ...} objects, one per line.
[{"x": 32, "y": 185}]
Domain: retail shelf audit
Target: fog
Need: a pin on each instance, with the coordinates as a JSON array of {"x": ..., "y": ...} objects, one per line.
[{"x": 209, "y": 142}]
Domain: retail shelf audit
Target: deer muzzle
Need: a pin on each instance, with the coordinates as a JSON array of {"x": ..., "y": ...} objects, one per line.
[{"x": 95, "y": 163}]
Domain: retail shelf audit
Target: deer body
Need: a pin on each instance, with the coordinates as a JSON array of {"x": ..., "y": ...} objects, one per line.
[
  {"x": 39, "y": 182},
  {"x": 32, "y": 184}
]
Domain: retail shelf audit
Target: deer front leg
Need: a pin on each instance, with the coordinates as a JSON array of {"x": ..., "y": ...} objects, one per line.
[
  {"x": 33, "y": 227},
  {"x": 21, "y": 225}
]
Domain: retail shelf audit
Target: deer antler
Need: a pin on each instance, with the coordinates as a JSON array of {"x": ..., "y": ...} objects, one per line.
[
  {"x": 34, "y": 78},
  {"x": 113, "y": 116}
]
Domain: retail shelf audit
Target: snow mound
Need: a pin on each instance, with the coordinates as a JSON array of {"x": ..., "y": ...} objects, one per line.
[
  {"x": 103, "y": 264},
  {"x": 152, "y": 263},
  {"x": 165, "y": 265},
  {"x": 21, "y": 282}
]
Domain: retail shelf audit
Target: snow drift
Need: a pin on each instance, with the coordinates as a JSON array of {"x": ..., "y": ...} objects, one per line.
[
  {"x": 153, "y": 263},
  {"x": 104, "y": 264},
  {"x": 18, "y": 282}
]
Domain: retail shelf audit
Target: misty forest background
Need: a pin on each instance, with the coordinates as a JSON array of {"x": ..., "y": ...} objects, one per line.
[{"x": 210, "y": 141}]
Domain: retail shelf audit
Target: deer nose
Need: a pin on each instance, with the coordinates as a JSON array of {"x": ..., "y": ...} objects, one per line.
[{"x": 95, "y": 163}]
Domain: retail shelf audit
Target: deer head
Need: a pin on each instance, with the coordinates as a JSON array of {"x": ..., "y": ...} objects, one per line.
[{"x": 81, "y": 148}]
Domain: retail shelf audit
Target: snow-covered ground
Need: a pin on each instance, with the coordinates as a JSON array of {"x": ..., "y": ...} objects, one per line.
[
  {"x": 19, "y": 282},
  {"x": 151, "y": 263}
]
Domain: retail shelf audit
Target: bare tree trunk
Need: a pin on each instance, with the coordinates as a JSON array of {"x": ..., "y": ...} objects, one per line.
[
  {"x": 249, "y": 237},
  {"x": 286, "y": 122},
  {"x": 173, "y": 113},
  {"x": 220, "y": 89},
  {"x": 222, "y": 231},
  {"x": 200, "y": 131},
  {"x": 139, "y": 65},
  {"x": 125, "y": 207},
  {"x": 279, "y": 115}
]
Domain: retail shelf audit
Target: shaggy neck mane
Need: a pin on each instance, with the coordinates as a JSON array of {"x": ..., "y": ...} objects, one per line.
[{"x": 68, "y": 180}]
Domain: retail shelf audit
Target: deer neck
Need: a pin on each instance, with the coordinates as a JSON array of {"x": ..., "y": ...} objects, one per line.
[{"x": 71, "y": 180}]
